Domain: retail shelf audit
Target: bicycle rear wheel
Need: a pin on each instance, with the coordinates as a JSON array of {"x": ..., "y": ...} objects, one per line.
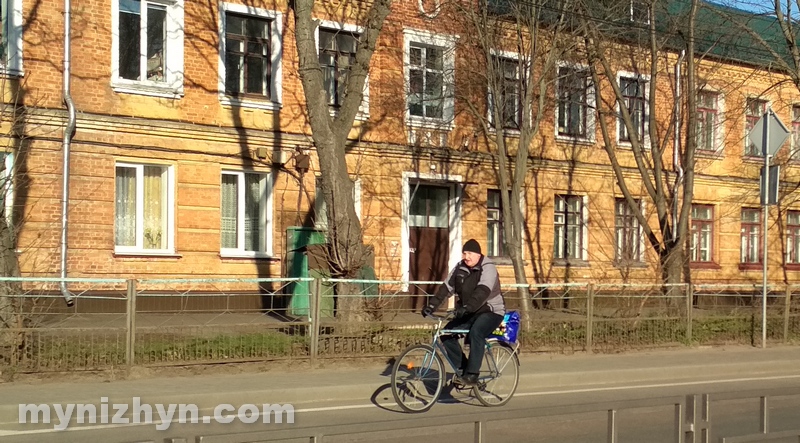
[
  {"x": 499, "y": 375},
  {"x": 417, "y": 378}
]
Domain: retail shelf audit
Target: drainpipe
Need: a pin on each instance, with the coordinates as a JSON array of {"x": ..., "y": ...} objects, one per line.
[
  {"x": 676, "y": 160},
  {"x": 68, "y": 132}
]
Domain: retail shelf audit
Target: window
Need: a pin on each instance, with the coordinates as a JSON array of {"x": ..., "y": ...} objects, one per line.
[
  {"x": 795, "y": 154},
  {"x": 429, "y": 65},
  {"x": 702, "y": 233},
  {"x": 628, "y": 234},
  {"x": 793, "y": 237},
  {"x": 7, "y": 185},
  {"x": 754, "y": 109},
  {"x": 250, "y": 54},
  {"x": 639, "y": 12},
  {"x": 246, "y": 224},
  {"x": 147, "y": 47},
  {"x": 337, "y": 52},
  {"x": 494, "y": 224},
  {"x": 575, "y": 103},
  {"x": 569, "y": 226},
  {"x": 707, "y": 120},
  {"x": 632, "y": 90},
  {"x": 11, "y": 37},
  {"x": 750, "y": 252},
  {"x": 144, "y": 208},
  {"x": 321, "y": 208},
  {"x": 508, "y": 98}
]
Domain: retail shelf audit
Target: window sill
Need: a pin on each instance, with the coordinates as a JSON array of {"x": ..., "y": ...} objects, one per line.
[
  {"x": 751, "y": 266},
  {"x": 704, "y": 265},
  {"x": 148, "y": 90},
  {"x": 573, "y": 263},
  {"x": 628, "y": 145},
  {"x": 429, "y": 123},
  {"x": 361, "y": 115},
  {"x": 507, "y": 132},
  {"x": 266, "y": 104},
  {"x": 243, "y": 256},
  {"x": 793, "y": 266},
  {"x": 501, "y": 260},
  {"x": 753, "y": 158},
  {"x": 146, "y": 254},
  {"x": 575, "y": 140},
  {"x": 630, "y": 264},
  {"x": 11, "y": 72},
  {"x": 711, "y": 155}
]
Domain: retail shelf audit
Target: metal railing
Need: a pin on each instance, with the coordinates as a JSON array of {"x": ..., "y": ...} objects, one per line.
[{"x": 193, "y": 321}]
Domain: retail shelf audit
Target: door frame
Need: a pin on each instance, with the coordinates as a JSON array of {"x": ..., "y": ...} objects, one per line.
[{"x": 454, "y": 183}]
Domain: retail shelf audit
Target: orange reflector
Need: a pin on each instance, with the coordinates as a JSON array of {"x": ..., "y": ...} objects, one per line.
[{"x": 410, "y": 365}]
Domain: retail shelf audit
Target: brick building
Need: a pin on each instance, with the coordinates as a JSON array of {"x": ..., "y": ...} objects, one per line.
[{"x": 190, "y": 119}]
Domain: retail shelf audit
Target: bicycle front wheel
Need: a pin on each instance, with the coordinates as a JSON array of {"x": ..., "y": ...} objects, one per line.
[
  {"x": 499, "y": 375},
  {"x": 417, "y": 378}
]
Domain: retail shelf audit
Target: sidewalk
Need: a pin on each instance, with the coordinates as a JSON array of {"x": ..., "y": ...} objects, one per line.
[{"x": 358, "y": 384}]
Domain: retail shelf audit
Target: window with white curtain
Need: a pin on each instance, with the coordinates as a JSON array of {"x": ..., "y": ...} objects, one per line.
[
  {"x": 246, "y": 222},
  {"x": 143, "y": 208}
]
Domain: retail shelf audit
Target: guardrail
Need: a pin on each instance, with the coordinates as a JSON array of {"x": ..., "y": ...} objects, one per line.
[{"x": 194, "y": 321}]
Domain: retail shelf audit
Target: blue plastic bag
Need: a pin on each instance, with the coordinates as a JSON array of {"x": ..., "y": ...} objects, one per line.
[{"x": 508, "y": 329}]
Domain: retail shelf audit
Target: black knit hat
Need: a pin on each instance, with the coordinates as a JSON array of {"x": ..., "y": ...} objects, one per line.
[{"x": 472, "y": 245}]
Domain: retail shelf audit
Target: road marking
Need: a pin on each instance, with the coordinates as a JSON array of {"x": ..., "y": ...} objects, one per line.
[{"x": 4, "y": 433}]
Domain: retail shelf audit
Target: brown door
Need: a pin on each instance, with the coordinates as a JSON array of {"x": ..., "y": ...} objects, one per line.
[{"x": 429, "y": 238}]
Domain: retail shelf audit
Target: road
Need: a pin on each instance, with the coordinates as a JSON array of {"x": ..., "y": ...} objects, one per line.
[{"x": 651, "y": 424}]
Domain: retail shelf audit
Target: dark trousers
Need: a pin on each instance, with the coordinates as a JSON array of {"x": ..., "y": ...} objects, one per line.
[{"x": 480, "y": 326}]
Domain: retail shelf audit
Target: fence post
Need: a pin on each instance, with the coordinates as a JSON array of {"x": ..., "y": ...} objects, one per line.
[
  {"x": 589, "y": 317},
  {"x": 130, "y": 323},
  {"x": 689, "y": 309},
  {"x": 314, "y": 321},
  {"x": 787, "y": 306}
]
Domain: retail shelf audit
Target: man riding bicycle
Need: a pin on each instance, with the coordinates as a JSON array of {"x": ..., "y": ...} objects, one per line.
[{"x": 479, "y": 308}]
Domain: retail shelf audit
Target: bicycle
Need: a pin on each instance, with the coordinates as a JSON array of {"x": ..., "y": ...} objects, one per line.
[{"x": 418, "y": 375}]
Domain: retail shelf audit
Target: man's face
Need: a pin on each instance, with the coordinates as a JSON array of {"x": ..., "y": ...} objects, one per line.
[{"x": 470, "y": 258}]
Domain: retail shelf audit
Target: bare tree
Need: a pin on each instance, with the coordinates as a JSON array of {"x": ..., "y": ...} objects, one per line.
[
  {"x": 638, "y": 105},
  {"x": 346, "y": 252}
]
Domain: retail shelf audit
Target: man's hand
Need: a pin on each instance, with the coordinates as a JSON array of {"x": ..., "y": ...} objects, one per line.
[
  {"x": 427, "y": 311},
  {"x": 461, "y": 311}
]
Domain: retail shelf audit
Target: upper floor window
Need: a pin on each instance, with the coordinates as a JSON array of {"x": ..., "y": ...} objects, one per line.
[
  {"x": 750, "y": 251},
  {"x": 639, "y": 11},
  {"x": 144, "y": 202},
  {"x": 507, "y": 99},
  {"x": 628, "y": 233},
  {"x": 494, "y": 224},
  {"x": 795, "y": 153},
  {"x": 707, "y": 120},
  {"x": 7, "y": 185},
  {"x": 754, "y": 109},
  {"x": 147, "y": 47},
  {"x": 793, "y": 237},
  {"x": 702, "y": 233},
  {"x": 429, "y": 65},
  {"x": 250, "y": 54},
  {"x": 570, "y": 228},
  {"x": 575, "y": 103},
  {"x": 11, "y": 37},
  {"x": 633, "y": 98},
  {"x": 246, "y": 217},
  {"x": 337, "y": 52}
]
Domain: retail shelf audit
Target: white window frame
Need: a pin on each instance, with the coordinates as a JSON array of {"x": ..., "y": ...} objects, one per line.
[
  {"x": 12, "y": 37},
  {"x": 447, "y": 43},
  {"x": 363, "y": 108},
  {"x": 645, "y": 80},
  {"x": 794, "y": 154},
  {"x": 265, "y": 217},
  {"x": 513, "y": 56},
  {"x": 639, "y": 232},
  {"x": 7, "y": 185},
  {"x": 173, "y": 61},
  {"x": 591, "y": 106},
  {"x": 139, "y": 249},
  {"x": 767, "y": 104},
  {"x": 632, "y": 10},
  {"x": 276, "y": 45},
  {"x": 718, "y": 126},
  {"x": 320, "y": 208},
  {"x": 584, "y": 246}
]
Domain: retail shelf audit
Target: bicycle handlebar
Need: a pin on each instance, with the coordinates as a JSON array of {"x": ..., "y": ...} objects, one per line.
[{"x": 449, "y": 315}]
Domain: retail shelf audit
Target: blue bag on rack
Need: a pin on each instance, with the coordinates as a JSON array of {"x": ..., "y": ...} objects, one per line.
[{"x": 508, "y": 329}]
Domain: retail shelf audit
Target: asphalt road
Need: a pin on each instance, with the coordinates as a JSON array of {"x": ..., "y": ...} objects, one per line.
[{"x": 583, "y": 416}]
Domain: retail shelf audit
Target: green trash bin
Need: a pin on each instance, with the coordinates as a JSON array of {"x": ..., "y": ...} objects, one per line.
[{"x": 298, "y": 241}]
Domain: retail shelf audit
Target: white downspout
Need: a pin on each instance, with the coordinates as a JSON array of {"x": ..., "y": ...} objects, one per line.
[
  {"x": 68, "y": 132},
  {"x": 676, "y": 159}
]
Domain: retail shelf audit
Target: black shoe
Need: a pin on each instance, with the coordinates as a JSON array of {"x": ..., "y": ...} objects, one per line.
[{"x": 469, "y": 379}]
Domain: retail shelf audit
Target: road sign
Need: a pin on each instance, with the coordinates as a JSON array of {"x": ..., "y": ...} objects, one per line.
[
  {"x": 774, "y": 179},
  {"x": 775, "y": 137}
]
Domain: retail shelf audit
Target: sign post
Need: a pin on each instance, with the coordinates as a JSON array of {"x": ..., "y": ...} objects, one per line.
[{"x": 768, "y": 135}]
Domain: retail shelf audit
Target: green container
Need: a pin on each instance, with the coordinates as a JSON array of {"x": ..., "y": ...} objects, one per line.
[{"x": 299, "y": 240}]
